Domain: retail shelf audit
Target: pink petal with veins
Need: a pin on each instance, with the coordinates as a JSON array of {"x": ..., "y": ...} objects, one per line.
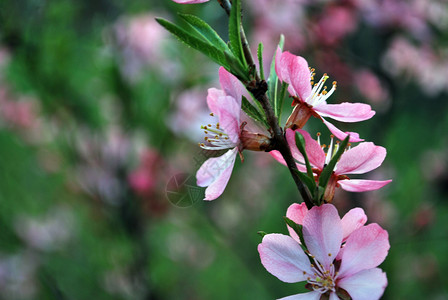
[
  {"x": 283, "y": 257},
  {"x": 353, "y": 219},
  {"x": 361, "y": 159},
  {"x": 367, "y": 284},
  {"x": 296, "y": 212},
  {"x": 322, "y": 232},
  {"x": 215, "y": 173},
  {"x": 294, "y": 70},
  {"x": 346, "y": 112},
  {"x": 228, "y": 112},
  {"x": 361, "y": 185},
  {"x": 366, "y": 248},
  {"x": 231, "y": 85},
  {"x": 278, "y": 157},
  {"x": 306, "y": 296},
  {"x": 339, "y": 134},
  {"x": 315, "y": 154},
  {"x": 212, "y": 98}
]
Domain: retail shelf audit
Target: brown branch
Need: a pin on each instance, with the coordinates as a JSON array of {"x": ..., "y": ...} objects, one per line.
[{"x": 259, "y": 88}]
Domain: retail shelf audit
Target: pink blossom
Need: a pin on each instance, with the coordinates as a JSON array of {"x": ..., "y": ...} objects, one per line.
[
  {"x": 311, "y": 101},
  {"x": 336, "y": 22},
  {"x": 352, "y": 220},
  {"x": 228, "y": 133},
  {"x": 370, "y": 86},
  {"x": 330, "y": 266},
  {"x": 361, "y": 159}
]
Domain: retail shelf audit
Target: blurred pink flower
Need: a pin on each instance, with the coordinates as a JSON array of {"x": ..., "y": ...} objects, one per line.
[
  {"x": 144, "y": 179},
  {"x": 311, "y": 101},
  {"x": 404, "y": 14},
  {"x": 361, "y": 159},
  {"x": 348, "y": 268},
  {"x": 421, "y": 63},
  {"x": 141, "y": 42},
  {"x": 273, "y": 18},
  {"x": 49, "y": 232},
  {"x": 335, "y": 23},
  {"x": 370, "y": 86},
  {"x": 189, "y": 113},
  {"x": 228, "y": 133}
]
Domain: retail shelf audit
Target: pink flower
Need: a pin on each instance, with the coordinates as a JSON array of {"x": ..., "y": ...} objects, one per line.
[
  {"x": 189, "y": 1},
  {"x": 352, "y": 220},
  {"x": 228, "y": 133},
  {"x": 329, "y": 265},
  {"x": 309, "y": 101},
  {"x": 361, "y": 159}
]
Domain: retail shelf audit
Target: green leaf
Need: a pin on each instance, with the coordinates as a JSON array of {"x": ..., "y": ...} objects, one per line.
[
  {"x": 309, "y": 182},
  {"x": 278, "y": 103},
  {"x": 236, "y": 68},
  {"x": 234, "y": 32},
  {"x": 296, "y": 227},
  {"x": 300, "y": 142},
  {"x": 272, "y": 80},
  {"x": 328, "y": 169},
  {"x": 260, "y": 60},
  {"x": 205, "y": 31},
  {"x": 253, "y": 112},
  {"x": 207, "y": 49},
  {"x": 262, "y": 233}
]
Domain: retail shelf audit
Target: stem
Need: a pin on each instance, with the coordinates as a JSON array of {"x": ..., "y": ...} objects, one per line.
[{"x": 259, "y": 88}]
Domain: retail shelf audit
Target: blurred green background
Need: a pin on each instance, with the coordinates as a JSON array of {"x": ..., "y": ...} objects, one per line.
[{"x": 100, "y": 114}]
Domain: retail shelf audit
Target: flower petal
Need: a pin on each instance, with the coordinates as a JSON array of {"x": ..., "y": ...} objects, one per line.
[
  {"x": 366, "y": 248},
  {"x": 322, "y": 232},
  {"x": 345, "y": 112},
  {"x": 212, "y": 99},
  {"x": 294, "y": 70},
  {"x": 278, "y": 157},
  {"x": 361, "y": 185},
  {"x": 296, "y": 212},
  {"x": 305, "y": 296},
  {"x": 231, "y": 85},
  {"x": 215, "y": 173},
  {"x": 228, "y": 112},
  {"x": 291, "y": 139},
  {"x": 339, "y": 134},
  {"x": 284, "y": 258},
  {"x": 313, "y": 150},
  {"x": 361, "y": 159},
  {"x": 365, "y": 285},
  {"x": 353, "y": 219}
]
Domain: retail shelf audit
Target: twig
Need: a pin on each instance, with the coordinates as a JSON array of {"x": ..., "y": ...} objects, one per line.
[{"x": 259, "y": 88}]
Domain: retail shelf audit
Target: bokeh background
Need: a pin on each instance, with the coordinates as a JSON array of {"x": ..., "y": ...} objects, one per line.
[{"x": 100, "y": 114}]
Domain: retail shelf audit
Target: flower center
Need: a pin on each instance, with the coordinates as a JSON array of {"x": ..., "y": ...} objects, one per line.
[
  {"x": 216, "y": 138},
  {"x": 319, "y": 92},
  {"x": 322, "y": 280},
  {"x": 332, "y": 149}
]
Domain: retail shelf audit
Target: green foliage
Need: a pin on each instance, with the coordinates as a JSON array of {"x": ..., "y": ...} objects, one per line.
[
  {"x": 235, "y": 34},
  {"x": 199, "y": 44},
  {"x": 273, "y": 83},
  {"x": 328, "y": 169},
  {"x": 253, "y": 112},
  {"x": 260, "y": 60},
  {"x": 205, "y": 31}
]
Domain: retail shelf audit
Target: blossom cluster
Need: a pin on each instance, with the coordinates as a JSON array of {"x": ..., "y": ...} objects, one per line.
[{"x": 337, "y": 258}]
